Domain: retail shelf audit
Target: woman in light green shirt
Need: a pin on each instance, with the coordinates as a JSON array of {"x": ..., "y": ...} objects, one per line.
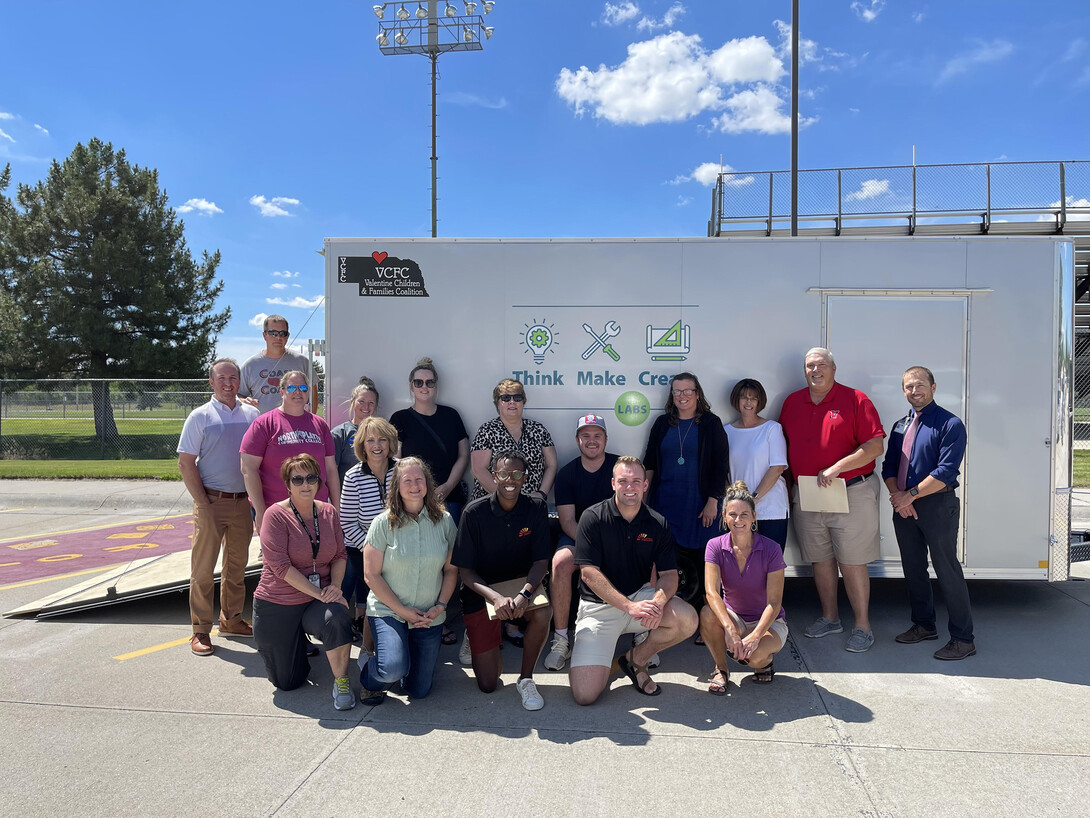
[{"x": 406, "y": 562}]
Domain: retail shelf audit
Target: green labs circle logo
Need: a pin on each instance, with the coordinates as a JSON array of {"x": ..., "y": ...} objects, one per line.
[{"x": 632, "y": 408}]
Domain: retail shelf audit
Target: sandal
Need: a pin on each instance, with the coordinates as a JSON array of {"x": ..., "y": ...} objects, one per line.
[
  {"x": 632, "y": 671},
  {"x": 718, "y": 684},
  {"x": 449, "y": 637},
  {"x": 765, "y": 675}
]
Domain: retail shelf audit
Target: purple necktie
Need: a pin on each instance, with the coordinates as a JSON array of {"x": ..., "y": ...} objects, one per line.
[{"x": 906, "y": 451}]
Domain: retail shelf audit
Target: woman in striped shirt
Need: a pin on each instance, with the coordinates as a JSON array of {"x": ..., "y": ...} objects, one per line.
[{"x": 363, "y": 498}]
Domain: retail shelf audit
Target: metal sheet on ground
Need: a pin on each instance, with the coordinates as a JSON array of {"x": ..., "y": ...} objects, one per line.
[{"x": 150, "y": 576}]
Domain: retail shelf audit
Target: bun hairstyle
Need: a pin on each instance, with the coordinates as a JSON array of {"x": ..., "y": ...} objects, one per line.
[
  {"x": 738, "y": 490},
  {"x": 424, "y": 363}
]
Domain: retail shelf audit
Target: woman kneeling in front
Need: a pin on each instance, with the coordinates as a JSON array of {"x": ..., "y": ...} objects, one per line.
[
  {"x": 743, "y": 582},
  {"x": 406, "y": 562},
  {"x": 300, "y": 589}
]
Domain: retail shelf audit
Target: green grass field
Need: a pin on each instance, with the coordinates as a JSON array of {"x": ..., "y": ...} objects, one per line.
[
  {"x": 90, "y": 469},
  {"x": 75, "y": 439}
]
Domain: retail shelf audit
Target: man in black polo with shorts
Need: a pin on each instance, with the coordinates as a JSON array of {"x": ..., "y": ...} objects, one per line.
[
  {"x": 501, "y": 537},
  {"x": 586, "y": 480},
  {"x": 618, "y": 542}
]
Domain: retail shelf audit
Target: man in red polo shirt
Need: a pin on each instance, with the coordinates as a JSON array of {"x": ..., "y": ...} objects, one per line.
[{"x": 832, "y": 432}]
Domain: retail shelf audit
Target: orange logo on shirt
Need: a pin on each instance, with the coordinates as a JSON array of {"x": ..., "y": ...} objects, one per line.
[
  {"x": 524, "y": 532},
  {"x": 643, "y": 538}
]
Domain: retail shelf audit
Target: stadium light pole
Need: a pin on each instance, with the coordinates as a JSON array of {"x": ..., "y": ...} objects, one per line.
[
  {"x": 418, "y": 27},
  {"x": 794, "y": 117}
]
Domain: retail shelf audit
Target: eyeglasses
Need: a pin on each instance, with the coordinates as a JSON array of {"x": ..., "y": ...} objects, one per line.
[
  {"x": 683, "y": 393},
  {"x": 310, "y": 479},
  {"x": 277, "y": 333},
  {"x": 419, "y": 383},
  {"x": 515, "y": 398},
  {"x": 514, "y": 474},
  {"x": 302, "y": 387}
]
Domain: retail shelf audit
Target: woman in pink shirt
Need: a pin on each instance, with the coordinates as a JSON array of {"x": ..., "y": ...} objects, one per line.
[{"x": 743, "y": 582}]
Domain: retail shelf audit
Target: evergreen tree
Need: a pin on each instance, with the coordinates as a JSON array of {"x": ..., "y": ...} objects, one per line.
[{"x": 96, "y": 264}]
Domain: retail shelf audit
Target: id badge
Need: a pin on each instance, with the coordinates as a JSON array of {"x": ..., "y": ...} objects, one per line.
[{"x": 315, "y": 580}]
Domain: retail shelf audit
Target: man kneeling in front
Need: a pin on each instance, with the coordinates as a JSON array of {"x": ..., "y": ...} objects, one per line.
[{"x": 618, "y": 542}]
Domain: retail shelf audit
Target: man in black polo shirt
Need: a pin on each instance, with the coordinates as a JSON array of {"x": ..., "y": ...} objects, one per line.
[
  {"x": 618, "y": 543},
  {"x": 504, "y": 536},
  {"x": 586, "y": 480}
]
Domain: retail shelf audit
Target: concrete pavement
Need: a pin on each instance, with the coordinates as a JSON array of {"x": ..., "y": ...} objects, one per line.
[{"x": 891, "y": 732}]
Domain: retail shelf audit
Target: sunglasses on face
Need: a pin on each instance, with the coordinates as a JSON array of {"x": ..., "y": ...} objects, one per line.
[
  {"x": 309, "y": 479},
  {"x": 420, "y": 384},
  {"x": 515, "y": 398},
  {"x": 277, "y": 333},
  {"x": 513, "y": 474},
  {"x": 302, "y": 387}
]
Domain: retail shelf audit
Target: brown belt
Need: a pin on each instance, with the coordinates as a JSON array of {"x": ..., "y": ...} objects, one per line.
[{"x": 226, "y": 495}]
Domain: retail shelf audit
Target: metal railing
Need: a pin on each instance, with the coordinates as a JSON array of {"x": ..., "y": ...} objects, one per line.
[
  {"x": 1052, "y": 193},
  {"x": 89, "y": 419}
]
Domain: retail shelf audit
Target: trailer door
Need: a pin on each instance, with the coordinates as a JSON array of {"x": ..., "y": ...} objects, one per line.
[{"x": 875, "y": 338}]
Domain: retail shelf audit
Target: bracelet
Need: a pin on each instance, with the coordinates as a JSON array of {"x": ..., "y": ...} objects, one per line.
[{"x": 442, "y": 605}]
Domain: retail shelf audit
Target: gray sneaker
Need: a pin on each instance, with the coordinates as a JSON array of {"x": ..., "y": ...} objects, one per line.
[
  {"x": 823, "y": 627},
  {"x": 860, "y": 641},
  {"x": 465, "y": 657},
  {"x": 343, "y": 698},
  {"x": 559, "y": 653}
]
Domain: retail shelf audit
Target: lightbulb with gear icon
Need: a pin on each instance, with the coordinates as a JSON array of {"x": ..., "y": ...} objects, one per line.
[{"x": 539, "y": 339}]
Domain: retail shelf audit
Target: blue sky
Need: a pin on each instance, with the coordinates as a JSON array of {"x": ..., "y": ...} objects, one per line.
[{"x": 276, "y": 124}]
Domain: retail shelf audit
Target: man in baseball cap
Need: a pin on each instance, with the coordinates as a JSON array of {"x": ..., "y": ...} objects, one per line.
[{"x": 584, "y": 481}]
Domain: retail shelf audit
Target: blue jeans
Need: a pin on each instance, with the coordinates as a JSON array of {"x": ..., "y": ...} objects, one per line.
[
  {"x": 454, "y": 510},
  {"x": 405, "y": 653}
]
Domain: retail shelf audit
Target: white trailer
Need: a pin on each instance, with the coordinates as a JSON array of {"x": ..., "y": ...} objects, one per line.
[{"x": 991, "y": 316}]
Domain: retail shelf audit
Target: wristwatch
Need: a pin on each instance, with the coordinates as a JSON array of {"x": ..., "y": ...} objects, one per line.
[
  {"x": 527, "y": 594},
  {"x": 914, "y": 491}
]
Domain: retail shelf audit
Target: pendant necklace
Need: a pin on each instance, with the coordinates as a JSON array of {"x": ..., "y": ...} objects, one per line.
[{"x": 681, "y": 442}]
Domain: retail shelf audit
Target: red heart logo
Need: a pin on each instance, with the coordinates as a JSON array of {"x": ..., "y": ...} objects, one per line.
[{"x": 378, "y": 257}]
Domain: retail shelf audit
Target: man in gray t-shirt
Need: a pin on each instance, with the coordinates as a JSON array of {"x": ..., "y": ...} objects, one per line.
[
  {"x": 261, "y": 373},
  {"x": 208, "y": 458}
]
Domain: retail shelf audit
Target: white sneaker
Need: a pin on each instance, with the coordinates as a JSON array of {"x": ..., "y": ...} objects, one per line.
[
  {"x": 639, "y": 639},
  {"x": 559, "y": 653},
  {"x": 464, "y": 655},
  {"x": 531, "y": 699}
]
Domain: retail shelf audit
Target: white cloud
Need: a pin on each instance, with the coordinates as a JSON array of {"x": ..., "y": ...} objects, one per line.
[
  {"x": 278, "y": 286},
  {"x": 671, "y": 78},
  {"x": 868, "y": 11},
  {"x": 870, "y": 189},
  {"x": 4, "y": 135},
  {"x": 202, "y": 206},
  {"x": 616, "y": 13},
  {"x": 1075, "y": 49},
  {"x": 258, "y": 320},
  {"x": 668, "y": 19},
  {"x": 1083, "y": 203},
  {"x": 981, "y": 54},
  {"x": 284, "y": 274},
  {"x": 473, "y": 100},
  {"x": 6, "y": 115},
  {"x": 40, "y": 128},
  {"x": 274, "y": 206},
  {"x": 684, "y": 200},
  {"x": 299, "y": 301},
  {"x": 854, "y": 110},
  {"x": 757, "y": 110},
  {"x": 707, "y": 174},
  {"x": 918, "y": 16},
  {"x": 810, "y": 53}
]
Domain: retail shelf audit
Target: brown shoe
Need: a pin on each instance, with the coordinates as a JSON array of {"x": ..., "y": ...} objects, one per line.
[
  {"x": 954, "y": 650},
  {"x": 917, "y": 633},
  {"x": 240, "y": 628},
  {"x": 201, "y": 644}
]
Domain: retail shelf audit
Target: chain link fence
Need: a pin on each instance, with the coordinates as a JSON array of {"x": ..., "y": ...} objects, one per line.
[{"x": 97, "y": 419}]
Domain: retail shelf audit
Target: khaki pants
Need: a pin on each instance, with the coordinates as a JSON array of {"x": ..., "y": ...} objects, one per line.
[{"x": 228, "y": 522}]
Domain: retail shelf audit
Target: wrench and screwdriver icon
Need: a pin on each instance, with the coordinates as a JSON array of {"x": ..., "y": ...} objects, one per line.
[{"x": 602, "y": 340}]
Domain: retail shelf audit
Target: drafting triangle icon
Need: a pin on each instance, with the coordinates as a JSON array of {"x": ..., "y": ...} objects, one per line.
[{"x": 670, "y": 338}]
